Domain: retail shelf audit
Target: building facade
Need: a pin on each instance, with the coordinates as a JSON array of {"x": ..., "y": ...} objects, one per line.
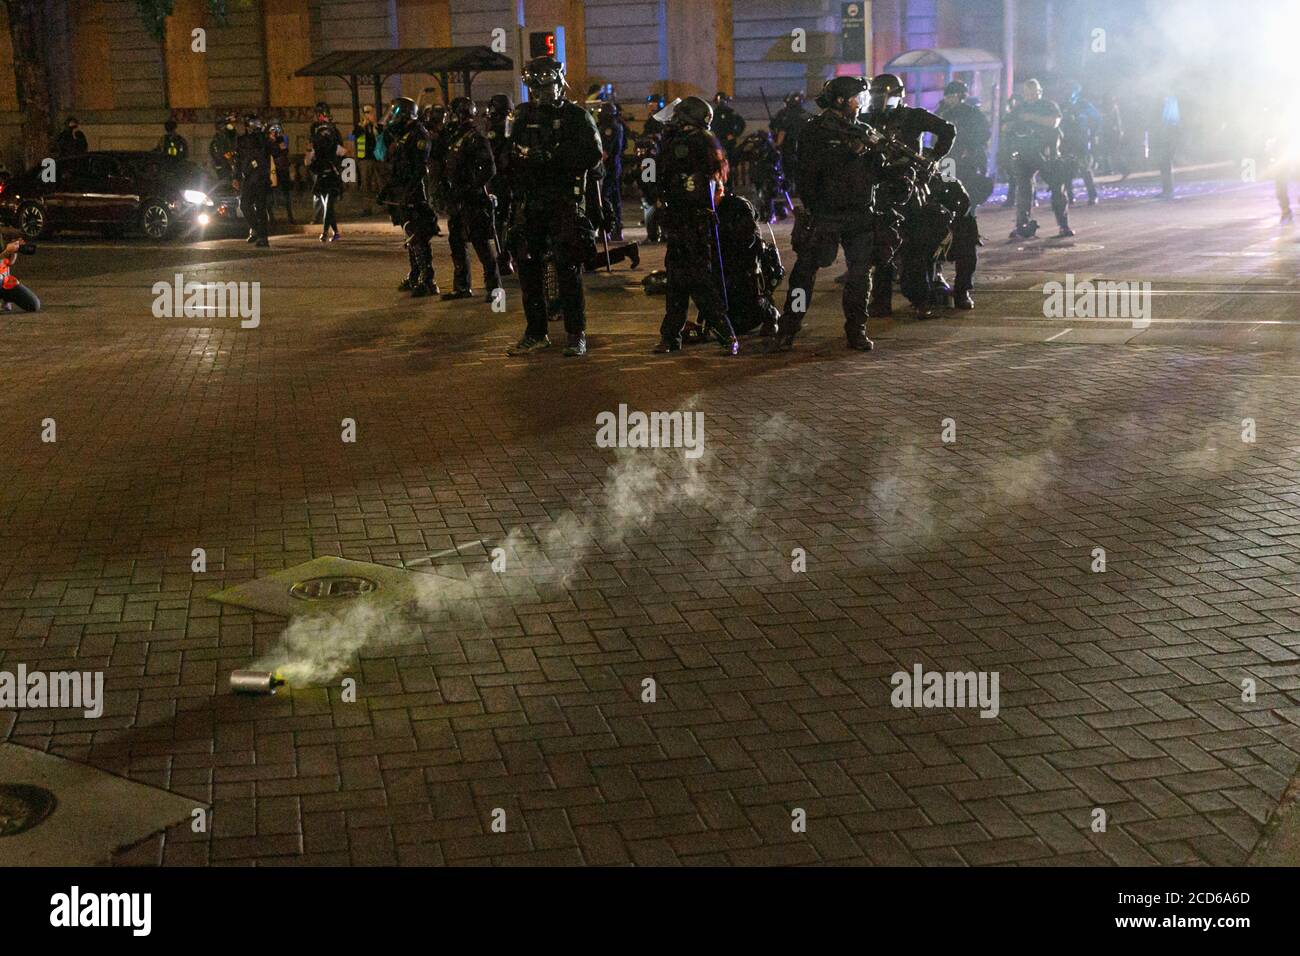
[{"x": 122, "y": 83}]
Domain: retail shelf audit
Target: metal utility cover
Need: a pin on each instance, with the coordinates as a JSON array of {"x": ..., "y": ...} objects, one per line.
[
  {"x": 94, "y": 814},
  {"x": 324, "y": 585}
]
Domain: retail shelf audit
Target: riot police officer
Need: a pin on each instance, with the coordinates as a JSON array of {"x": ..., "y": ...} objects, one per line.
[
  {"x": 255, "y": 171},
  {"x": 467, "y": 169},
  {"x": 786, "y": 125},
  {"x": 1080, "y": 124},
  {"x": 841, "y": 166},
  {"x": 691, "y": 169},
  {"x": 924, "y": 223},
  {"x": 498, "y": 134},
  {"x": 1034, "y": 143},
  {"x": 647, "y": 148},
  {"x": 555, "y": 146},
  {"x": 612, "y": 142},
  {"x": 652, "y": 126},
  {"x": 970, "y": 158},
  {"x": 728, "y": 125},
  {"x": 407, "y": 152},
  {"x": 763, "y": 159},
  {"x": 437, "y": 121},
  {"x": 326, "y": 167}
]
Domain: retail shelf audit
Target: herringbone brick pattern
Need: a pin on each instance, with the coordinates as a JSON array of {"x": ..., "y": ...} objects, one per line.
[{"x": 1119, "y": 690}]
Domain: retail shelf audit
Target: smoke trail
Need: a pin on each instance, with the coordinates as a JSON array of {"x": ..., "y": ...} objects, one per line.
[{"x": 640, "y": 487}]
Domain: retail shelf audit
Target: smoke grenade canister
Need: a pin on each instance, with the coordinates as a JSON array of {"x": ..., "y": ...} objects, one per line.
[{"x": 255, "y": 682}]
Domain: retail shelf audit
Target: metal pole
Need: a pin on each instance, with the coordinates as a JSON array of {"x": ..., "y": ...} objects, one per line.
[
  {"x": 868, "y": 37},
  {"x": 1008, "y": 47}
]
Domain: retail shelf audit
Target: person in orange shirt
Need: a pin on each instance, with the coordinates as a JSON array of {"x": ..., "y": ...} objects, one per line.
[{"x": 13, "y": 292}]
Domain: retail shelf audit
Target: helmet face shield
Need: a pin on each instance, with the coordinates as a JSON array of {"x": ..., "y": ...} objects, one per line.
[
  {"x": 544, "y": 78},
  {"x": 401, "y": 112},
  {"x": 885, "y": 100},
  {"x": 693, "y": 111}
]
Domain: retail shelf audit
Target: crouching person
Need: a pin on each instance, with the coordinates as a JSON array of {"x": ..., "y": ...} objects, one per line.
[{"x": 12, "y": 292}]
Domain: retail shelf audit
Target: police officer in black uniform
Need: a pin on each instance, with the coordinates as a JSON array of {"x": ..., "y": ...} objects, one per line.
[
  {"x": 925, "y": 223},
  {"x": 1080, "y": 124},
  {"x": 971, "y": 159},
  {"x": 406, "y": 145},
  {"x": 759, "y": 153},
  {"x": 728, "y": 125},
  {"x": 612, "y": 142},
  {"x": 254, "y": 168},
  {"x": 498, "y": 134},
  {"x": 841, "y": 166},
  {"x": 467, "y": 169},
  {"x": 647, "y": 148},
  {"x": 691, "y": 169},
  {"x": 652, "y": 126},
  {"x": 1034, "y": 142},
  {"x": 787, "y": 124},
  {"x": 555, "y": 147},
  {"x": 437, "y": 120}
]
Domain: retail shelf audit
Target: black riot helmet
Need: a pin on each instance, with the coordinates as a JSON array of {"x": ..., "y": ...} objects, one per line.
[
  {"x": 721, "y": 98},
  {"x": 401, "y": 113},
  {"x": 843, "y": 94},
  {"x": 435, "y": 116},
  {"x": 322, "y": 111},
  {"x": 499, "y": 106},
  {"x": 886, "y": 91},
  {"x": 544, "y": 77},
  {"x": 694, "y": 112},
  {"x": 794, "y": 99},
  {"x": 956, "y": 88},
  {"x": 464, "y": 109},
  {"x": 252, "y": 123}
]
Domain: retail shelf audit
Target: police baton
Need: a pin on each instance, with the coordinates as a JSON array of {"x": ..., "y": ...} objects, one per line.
[
  {"x": 732, "y": 342},
  {"x": 604, "y": 232}
]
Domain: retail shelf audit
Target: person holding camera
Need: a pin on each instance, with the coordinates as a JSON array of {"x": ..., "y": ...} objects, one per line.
[{"x": 13, "y": 292}]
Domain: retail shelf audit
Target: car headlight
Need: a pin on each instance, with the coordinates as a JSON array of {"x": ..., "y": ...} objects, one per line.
[{"x": 196, "y": 198}]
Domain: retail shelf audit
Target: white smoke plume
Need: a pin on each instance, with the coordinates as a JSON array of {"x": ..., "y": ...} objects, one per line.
[{"x": 641, "y": 487}]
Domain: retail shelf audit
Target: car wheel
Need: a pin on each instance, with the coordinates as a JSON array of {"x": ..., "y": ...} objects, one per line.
[
  {"x": 156, "y": 220},
  {"x": 31, "y": 220}
]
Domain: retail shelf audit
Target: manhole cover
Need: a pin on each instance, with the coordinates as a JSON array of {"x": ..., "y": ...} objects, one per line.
[
  {"x": 325, "y": 585},
  {"x": 332, "y": 587},
  {"x": 23, "y": 806}
]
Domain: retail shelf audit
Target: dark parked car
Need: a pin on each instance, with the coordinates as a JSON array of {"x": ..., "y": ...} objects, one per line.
[{"x": 117, "y": 192}]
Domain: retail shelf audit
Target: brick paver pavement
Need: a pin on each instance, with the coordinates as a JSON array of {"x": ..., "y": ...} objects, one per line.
[{"x": 1120, "y": 690}]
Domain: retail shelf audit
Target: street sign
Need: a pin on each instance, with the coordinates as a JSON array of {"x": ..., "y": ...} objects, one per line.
[{"x": 852, "y": 33}]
